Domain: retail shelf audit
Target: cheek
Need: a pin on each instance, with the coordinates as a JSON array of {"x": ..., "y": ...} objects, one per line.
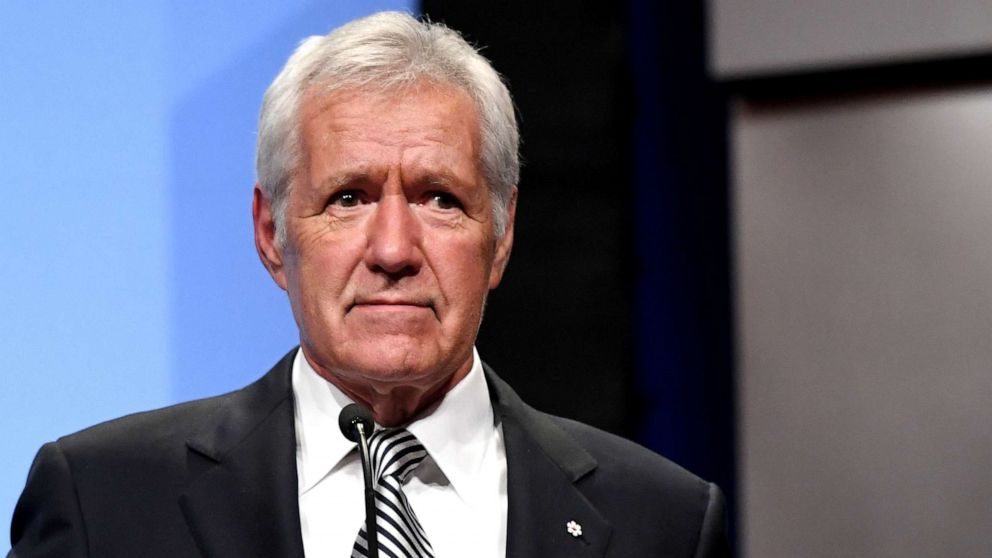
[
  {"x": 320, "y": 278},
  {"x": 463, "y": 275}
]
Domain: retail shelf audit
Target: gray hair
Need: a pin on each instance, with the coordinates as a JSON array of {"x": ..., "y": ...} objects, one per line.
[{"x": 384, "y": 51}]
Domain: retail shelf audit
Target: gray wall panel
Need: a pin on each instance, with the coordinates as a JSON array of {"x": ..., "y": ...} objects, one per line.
[{"x": 864, "y": 257}]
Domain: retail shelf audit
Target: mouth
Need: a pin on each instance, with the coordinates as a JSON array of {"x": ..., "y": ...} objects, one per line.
[{"x": 391, "y": 304}]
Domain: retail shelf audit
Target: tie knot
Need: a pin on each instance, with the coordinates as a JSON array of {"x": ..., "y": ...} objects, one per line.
[{"x": 395, "y": 453}]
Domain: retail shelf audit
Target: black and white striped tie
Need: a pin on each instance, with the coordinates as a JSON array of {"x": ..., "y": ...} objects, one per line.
[{"x": 395, "y": 454}]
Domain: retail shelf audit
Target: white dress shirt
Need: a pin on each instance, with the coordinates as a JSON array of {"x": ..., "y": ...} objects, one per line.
[{"x": 458, "y": 492}]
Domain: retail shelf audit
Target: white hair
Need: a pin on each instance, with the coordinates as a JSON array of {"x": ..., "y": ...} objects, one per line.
[{"x": 385, "y": 51}]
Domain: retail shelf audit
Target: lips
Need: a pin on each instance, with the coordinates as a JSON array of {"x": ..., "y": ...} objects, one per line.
[{"x": 391, "y": 303}]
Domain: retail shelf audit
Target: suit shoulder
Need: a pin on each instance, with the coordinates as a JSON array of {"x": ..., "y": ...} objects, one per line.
[
  {"x": 604, "y": 464},
  {"x": 662, "y": 505},
  {"x": 624, "y": 463},
  {"x": 144, "y": 430}
]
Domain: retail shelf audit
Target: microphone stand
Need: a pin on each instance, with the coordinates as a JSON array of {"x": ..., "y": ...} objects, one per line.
[
  {"x": 356, "y": 424},
  {"x": 371, "y": 526}
]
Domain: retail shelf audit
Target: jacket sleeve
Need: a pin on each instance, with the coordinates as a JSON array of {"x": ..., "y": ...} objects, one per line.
[
  {"x": 47, "y": 521},
  {"x": 713, "y": 542}
]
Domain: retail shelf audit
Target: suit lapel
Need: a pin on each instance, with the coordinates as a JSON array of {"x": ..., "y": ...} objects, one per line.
[
  {"x": 544, "y": 468},
  {"x": 242, "y": 498}
]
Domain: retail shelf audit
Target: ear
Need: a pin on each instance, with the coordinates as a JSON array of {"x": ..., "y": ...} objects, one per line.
[
  {"x": 268, "y": 249},
  {"x": 505, "y": 244}
]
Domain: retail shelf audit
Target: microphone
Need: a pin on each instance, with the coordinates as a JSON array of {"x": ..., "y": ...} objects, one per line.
[
  {"x": 356, "y": 425},
  {"x": 353, "y": 416}
]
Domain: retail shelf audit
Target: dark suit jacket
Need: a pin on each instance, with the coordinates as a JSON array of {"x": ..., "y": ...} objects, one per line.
[{"x": 217, "y": 478}]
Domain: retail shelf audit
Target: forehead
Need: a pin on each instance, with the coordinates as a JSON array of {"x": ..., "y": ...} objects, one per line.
[
  {"x": 423, "y": 110},
  {"x": 421, "y": 132}
]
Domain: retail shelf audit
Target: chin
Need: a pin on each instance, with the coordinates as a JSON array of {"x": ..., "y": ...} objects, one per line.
[{"x": 393, "y": 361}]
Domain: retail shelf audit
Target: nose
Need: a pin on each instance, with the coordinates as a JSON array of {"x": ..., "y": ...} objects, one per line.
[{"x": 394, "y": 238}]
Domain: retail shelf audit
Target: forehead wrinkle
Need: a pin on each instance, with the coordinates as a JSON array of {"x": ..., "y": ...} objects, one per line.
[{"x": 438, "y": 158}]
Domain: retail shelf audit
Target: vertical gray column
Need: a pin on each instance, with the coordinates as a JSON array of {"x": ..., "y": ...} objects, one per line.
[{"x": 864, "y": 259}]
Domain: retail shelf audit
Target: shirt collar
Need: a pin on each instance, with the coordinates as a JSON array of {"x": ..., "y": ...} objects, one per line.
[
  {"x": 457, "y": 432},
  {"x": 320, "y": 446}
]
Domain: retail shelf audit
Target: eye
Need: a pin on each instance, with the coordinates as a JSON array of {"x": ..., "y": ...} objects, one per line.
[
  {"x": 346, "y": 198},
  {"x": 443, "y": 200}
]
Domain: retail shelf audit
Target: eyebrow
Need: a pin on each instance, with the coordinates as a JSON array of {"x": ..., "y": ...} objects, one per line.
[
  {"x": 337, "y": 181},
  {"x": 439, "y": 177},
  {"x": 442, "y": 178},
  {"x": 439, "y": 180}
]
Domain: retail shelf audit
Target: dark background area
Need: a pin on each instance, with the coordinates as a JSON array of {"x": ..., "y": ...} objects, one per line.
[
  {"x": 616, "y": 308},
  {"x": 560, "y": 327}
]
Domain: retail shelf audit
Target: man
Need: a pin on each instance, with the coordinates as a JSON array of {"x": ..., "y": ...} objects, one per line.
[{"x": 387, "y": 170}]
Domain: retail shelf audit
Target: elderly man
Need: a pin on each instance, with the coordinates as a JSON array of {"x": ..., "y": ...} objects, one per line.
[{"x": 387, "y": 170}]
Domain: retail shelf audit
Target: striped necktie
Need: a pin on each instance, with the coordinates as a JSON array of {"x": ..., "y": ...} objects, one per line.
[{"x": 395, "y": 454}]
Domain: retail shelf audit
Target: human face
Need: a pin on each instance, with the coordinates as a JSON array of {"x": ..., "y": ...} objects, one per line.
[{"x": 390, "y": 248}]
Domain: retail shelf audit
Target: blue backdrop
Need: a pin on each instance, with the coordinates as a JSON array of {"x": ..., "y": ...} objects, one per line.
[{"x": 127, "y": 135}]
